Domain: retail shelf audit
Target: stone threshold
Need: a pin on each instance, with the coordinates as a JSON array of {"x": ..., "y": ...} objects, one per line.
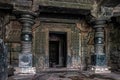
[
  {"x": 60, "y": 70},
  {"x": 35, "y": 70}
]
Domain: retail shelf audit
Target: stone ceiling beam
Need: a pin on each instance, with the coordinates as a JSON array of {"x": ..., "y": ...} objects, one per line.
[
  {"x": 63, "y": 4},
  {"x": 69, "y": 21},
  {"x": 5, "y": 7},
  {"x": 63, "y": 10}
]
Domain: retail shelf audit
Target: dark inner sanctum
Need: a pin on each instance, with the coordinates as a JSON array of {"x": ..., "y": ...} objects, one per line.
[{"x": 57, "y": 49}]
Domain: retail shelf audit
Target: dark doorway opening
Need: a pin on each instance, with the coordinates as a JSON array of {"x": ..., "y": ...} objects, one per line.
[{"x": 57, "y": 49}]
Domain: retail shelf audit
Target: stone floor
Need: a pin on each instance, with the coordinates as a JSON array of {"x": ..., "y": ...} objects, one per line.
[{"x": 66, "y": 76}]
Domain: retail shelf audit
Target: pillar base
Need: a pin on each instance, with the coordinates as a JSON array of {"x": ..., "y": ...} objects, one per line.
[
  {"x": 25, "y": 64},
  {"x": 25, "y": 70},
  {"x": 100, "y": 69}
]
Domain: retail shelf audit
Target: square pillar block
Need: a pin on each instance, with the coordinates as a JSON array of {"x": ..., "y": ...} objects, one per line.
[
  {"x": 99, "y": 64},
  {"x": 25, "y": 60},
  {"x": 25, "y": 64},
  {"x": 98, "y": 60}
]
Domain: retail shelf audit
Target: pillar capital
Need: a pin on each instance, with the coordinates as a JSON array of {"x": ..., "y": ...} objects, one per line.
[
  {"x": 25, "y": 17},
  {"x": 29, "y": 14},
  {"x": 99, "y": 23}
]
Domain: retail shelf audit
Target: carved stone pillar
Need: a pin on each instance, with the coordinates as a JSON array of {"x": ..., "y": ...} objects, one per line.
[
  {"x": 25, "y": 58},
  {"x": 99, "y": 58}
]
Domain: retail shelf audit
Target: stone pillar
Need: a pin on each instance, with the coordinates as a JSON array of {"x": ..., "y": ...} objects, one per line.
[
  {"x": 3, "y": 47},
  {"x": 25, "y": 58},
  {"x": 99, "y": 58}
]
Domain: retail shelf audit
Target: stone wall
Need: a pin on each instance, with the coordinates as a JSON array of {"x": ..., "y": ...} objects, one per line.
[{"x": 114, "y": 47}]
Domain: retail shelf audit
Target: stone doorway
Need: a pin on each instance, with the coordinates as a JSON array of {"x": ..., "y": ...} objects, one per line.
[{"x": 57, "y": 49}]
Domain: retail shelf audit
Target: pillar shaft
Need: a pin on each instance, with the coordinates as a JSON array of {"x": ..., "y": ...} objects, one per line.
[{"x": 27, "y": 20}]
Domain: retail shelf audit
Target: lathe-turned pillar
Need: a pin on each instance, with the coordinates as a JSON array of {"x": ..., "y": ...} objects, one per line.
[
  {"x": 99, "y": 57},
  {"x": 27, "y": 20}
]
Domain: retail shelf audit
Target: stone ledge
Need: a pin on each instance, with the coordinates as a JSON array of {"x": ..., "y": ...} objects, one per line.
[{"x": 66, "y": 4}]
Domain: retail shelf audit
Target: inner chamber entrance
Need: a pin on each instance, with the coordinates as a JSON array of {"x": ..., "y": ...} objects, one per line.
[{"x": 57, "y": 49}]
